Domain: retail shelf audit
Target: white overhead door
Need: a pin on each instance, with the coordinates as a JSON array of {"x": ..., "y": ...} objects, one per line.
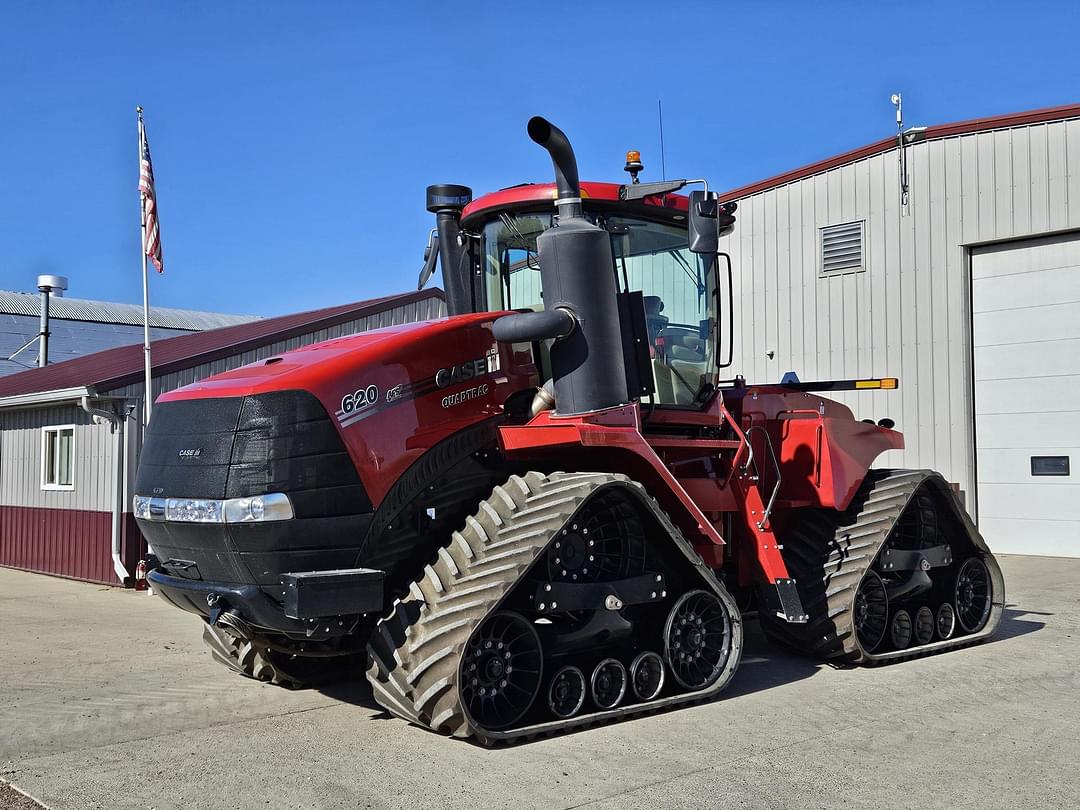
[{"x": 1026, "y": 306}]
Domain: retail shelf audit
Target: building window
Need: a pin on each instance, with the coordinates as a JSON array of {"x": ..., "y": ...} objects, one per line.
[
  {"x": 842, "y": 249},
  {"x": 58, "y": 457}
]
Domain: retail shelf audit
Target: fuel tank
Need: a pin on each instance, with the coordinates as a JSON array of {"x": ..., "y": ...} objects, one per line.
[{"x": 330, "y": 426}]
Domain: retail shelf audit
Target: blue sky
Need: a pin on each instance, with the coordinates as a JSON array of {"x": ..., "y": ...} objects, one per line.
[{"x": 292, "y": 141}]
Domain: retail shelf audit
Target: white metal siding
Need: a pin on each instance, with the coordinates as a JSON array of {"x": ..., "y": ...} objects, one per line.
[
  {"x": 908, "y": 315},
  {"x": 20, "y": 460},
  {"x": 1026, "y": 318}
]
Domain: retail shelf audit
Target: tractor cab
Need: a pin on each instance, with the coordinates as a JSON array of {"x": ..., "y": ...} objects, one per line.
[{"x": 678, "y": 289}]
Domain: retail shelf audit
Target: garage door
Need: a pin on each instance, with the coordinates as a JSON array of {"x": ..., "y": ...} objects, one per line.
[{"x": 1026, "y": 304}]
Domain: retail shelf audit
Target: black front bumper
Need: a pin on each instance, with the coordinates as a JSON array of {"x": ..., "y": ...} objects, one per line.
[{"x": 344, "y": 606}]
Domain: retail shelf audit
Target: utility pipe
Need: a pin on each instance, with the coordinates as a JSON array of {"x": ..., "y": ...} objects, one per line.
[{"x": 116, "y": 422}]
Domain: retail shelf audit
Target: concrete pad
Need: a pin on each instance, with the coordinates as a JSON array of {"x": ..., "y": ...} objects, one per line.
[{"x": 107, "y": 699}]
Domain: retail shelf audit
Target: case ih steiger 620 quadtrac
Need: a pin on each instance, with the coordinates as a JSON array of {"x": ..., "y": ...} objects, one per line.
[{"x": 541, "y": 513}]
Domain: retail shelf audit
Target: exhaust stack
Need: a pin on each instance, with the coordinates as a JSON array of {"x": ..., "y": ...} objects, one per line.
[{"x": 581, "y": 311}]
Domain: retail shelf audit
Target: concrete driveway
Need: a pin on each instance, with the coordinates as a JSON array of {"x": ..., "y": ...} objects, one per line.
[{"x": 107, "y": 699}]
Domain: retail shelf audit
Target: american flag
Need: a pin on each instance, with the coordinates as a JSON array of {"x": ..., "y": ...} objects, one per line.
[{"x": 152, "y": 244}]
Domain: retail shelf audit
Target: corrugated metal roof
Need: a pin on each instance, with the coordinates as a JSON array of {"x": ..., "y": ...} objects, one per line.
[
  {"x": 67, "y": 339},
  {"x": 938, "y": 131},
  {"x": 116, "y": 367},
  {"x": 78, "y": 309}
]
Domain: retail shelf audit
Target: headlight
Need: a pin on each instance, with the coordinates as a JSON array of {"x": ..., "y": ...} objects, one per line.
[
  {"x": 261, "y": 508},
  {"x": 142, "y": 507},
  {"x": 273, "y": 506},
  {"x": 193, "y": 510}
]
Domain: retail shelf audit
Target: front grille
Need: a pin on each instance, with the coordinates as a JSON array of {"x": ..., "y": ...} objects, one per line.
[{"x": 243, "y": 446}]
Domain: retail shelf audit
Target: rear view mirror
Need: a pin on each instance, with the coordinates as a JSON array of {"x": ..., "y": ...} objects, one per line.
[{"x": 704, "y": 226}]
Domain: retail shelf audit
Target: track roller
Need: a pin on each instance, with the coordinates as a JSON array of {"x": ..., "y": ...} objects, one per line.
[
  {"x": 945, "y": 621},
  {"x": 566, "y": 694},
  {"x": 924, "y": 625},
  {"x": 647, "y": 675},
  {"x": 608, "y": 683},
  {"x": 900, "y": 631}
]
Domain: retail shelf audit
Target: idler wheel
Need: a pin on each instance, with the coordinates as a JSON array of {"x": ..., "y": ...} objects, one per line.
[
  {"x": 501, "y": 670},
  {"x": 566, "y": 694},
  {"x": 871, "y": 611},
  {"x": 945, "y": 621},
  {"x": 924, "y": 625},
  {"x": 608, "y": 683},
  {"x": 973, "y": 594},
  {"x": 647, "y": 675},
  {"x": 901, "y": 630},
  {"x": 697, "y": 639}
]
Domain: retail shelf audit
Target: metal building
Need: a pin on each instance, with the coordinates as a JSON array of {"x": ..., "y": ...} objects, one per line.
[
  {"x": 70, "y": 432},
  {"x": 78, "y": 327},
  {"x": 968, "y": 290}
]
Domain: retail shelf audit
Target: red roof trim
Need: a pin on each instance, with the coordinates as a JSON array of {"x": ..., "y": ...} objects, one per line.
[
  {"x": 932, "y": 133},
  {"x": 113, "y": 368}
]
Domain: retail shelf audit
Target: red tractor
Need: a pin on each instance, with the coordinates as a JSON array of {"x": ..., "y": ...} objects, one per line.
[{"x": 548, "y": 509}]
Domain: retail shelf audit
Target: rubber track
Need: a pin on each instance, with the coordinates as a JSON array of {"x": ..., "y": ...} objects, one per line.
[
  {"x": 245, "y": 657},
  {"x": 828, "y": 553},
  {"x": 415, "y": 650},
  {"x": 254, "y": 660}
]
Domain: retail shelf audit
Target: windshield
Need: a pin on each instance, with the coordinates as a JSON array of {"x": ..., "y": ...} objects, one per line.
[{"x": 677, "y": 286}]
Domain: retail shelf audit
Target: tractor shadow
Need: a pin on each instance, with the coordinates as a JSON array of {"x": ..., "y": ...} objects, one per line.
[
  {"x": 1015, "y": 623},
  {"x": 765, "y": 665},
  {"x": 355, "y": 690}
]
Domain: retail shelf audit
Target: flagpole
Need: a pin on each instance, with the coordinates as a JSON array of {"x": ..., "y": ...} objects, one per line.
[{"x": 148, "y": 393}]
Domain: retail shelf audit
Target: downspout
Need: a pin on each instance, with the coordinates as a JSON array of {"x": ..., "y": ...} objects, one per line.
[{"x": 116, "y": 421}]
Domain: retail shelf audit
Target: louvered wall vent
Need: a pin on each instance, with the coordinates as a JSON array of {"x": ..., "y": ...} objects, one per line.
[{"x": 842, "y": 248}]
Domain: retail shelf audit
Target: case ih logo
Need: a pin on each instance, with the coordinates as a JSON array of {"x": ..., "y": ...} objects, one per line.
[
  {"x": 469, "y": 370},
  {"x": 190, "y": 453}
]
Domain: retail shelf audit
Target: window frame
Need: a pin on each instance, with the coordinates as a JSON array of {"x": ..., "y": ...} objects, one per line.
[{"x": 46, "y": 430}]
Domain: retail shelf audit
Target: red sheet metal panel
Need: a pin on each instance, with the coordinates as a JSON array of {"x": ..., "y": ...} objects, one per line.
[{"x": 64, "y": 542}]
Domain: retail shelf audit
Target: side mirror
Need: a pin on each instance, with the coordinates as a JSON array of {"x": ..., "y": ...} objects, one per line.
[{"x": 703, "y": 225}]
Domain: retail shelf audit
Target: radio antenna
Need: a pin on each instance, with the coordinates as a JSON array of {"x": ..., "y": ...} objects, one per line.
[{"x": 660, "y": 116}]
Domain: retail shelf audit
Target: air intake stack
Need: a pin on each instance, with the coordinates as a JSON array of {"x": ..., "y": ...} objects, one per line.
[{"x": 580, "y": 295}]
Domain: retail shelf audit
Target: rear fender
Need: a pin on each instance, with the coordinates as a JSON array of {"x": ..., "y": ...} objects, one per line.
[
  {"x": 824, "y": 452},
  {"x": 825, "y": 459}
]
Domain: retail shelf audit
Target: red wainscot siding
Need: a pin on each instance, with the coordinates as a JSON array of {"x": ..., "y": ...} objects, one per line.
[{"x": 71, "y": 543}]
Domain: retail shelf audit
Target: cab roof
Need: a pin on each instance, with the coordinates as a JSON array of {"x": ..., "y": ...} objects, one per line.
[{"x": 528, "y": 195}]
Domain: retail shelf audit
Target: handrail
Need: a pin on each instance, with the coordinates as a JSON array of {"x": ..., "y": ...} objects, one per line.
[{"x": 776, "y": 466}]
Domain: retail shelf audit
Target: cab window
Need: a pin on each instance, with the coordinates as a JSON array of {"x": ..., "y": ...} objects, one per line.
[{"x": 650, "y": 256}]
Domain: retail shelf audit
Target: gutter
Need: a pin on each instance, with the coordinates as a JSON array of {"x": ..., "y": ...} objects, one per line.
[
  {"x": 46, "y": 397},
  {"x": 116, "y": 421}
]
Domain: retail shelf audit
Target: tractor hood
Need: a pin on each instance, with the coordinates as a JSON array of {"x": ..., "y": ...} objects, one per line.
[{"x": 391, "y": 393}]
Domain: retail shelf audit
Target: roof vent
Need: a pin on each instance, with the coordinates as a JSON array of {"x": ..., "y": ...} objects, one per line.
[
  {"x": 55, "y": 284},
  {"x": 842, "y": 249}
]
